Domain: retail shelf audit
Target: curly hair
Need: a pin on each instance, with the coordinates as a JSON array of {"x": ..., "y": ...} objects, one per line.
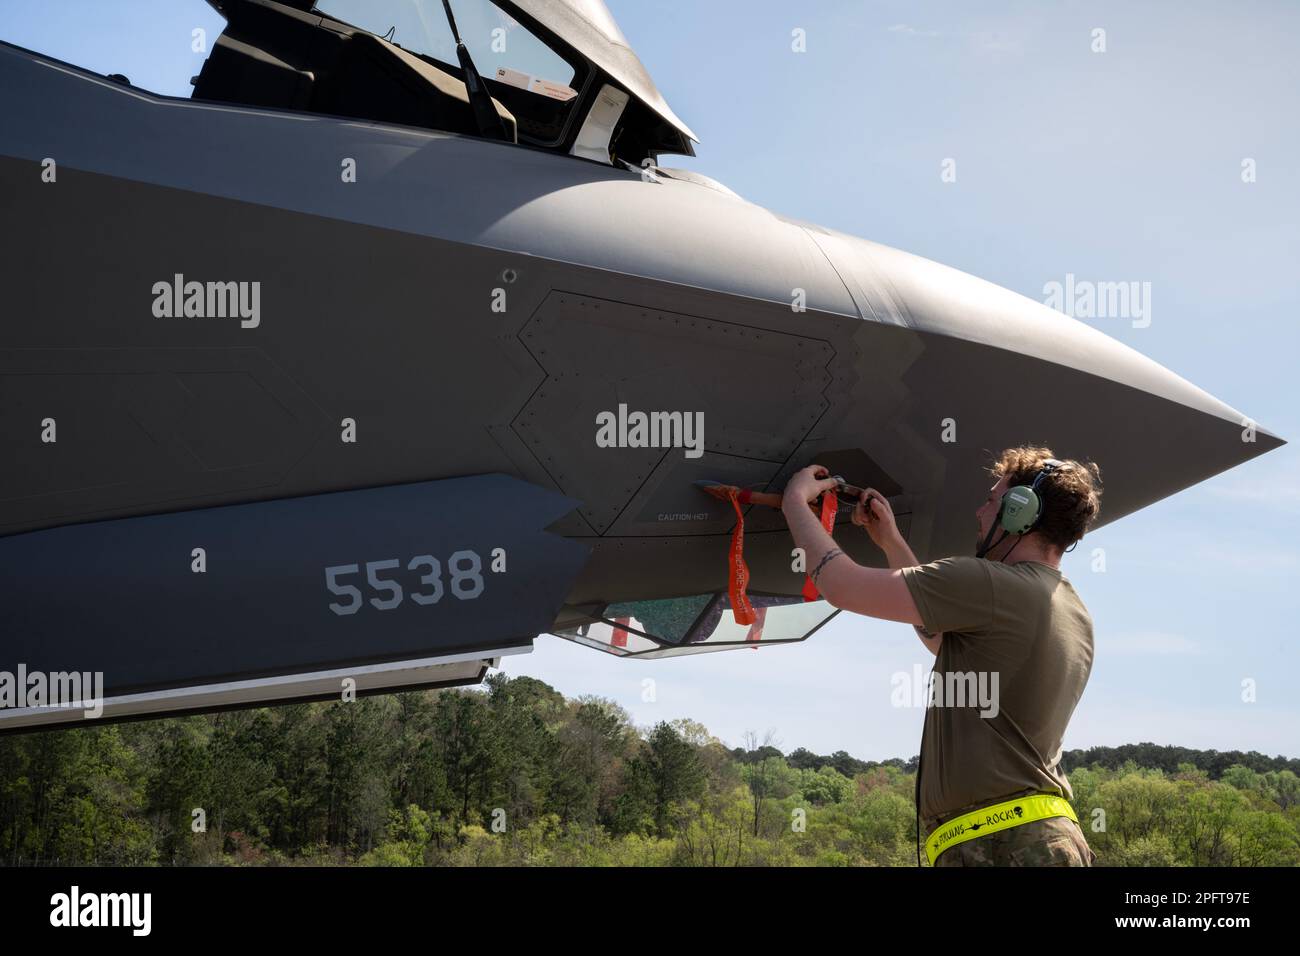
[{"x": 1071, "y": 494}]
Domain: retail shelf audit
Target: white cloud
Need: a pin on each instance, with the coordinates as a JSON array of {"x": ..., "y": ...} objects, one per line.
[
  {"x": 1260, "y": 560},
  {"x": 986, "y": 41},
  {"x": 912, "y": 31},
  {"x": 1148, "y": 643},
  {"x": 1283, "y": 496},
  {"x": 1104, "y": 723}
]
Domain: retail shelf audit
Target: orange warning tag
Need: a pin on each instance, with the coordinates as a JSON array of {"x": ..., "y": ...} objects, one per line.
[
  {"x": 829, "y": 507},
  {"x": 738, "y": 571}
]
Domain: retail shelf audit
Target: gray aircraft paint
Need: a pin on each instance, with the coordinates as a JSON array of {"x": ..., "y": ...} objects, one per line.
[
  {"x": 375, "y": 306},
  {"x": 123, "y": 596},
  {"x": 538, "y": 204}
]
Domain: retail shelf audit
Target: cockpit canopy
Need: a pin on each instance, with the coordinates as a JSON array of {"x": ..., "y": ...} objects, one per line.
[{"x": 559, "y": 72}]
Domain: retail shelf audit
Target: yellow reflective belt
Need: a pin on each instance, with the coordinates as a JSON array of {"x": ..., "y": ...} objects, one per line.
[{"x": 995, "y": 818}]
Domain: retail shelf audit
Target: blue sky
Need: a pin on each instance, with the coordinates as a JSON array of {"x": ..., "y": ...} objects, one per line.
[{"x": 1122, "y": 165}]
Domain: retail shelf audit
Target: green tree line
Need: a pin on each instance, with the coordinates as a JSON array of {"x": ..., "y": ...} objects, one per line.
[{"x": 516, "y": 774}]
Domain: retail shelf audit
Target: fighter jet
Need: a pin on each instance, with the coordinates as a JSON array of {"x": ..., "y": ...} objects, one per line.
[{"x": 395, "y": 346}]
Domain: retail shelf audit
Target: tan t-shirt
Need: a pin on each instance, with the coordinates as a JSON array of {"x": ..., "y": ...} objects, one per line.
[{"x": 1017, "y": 646}]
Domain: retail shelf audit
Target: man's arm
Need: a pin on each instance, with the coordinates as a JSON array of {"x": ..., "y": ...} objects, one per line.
[
  {"x": 882, "y": 594},
  {"x": 842, "y": 581}
]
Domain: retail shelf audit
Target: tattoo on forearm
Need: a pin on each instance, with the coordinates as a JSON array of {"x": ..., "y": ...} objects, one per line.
[{"x": 833, "y": 553}]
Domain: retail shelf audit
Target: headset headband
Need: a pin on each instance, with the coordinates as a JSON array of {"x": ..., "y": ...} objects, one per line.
[{"x": 1049, "y": 466}]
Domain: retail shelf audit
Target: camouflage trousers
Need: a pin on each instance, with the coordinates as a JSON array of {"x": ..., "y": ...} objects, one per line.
[{"x": 1056, "y": 841}]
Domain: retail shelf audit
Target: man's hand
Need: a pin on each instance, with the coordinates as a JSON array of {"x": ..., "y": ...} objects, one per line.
[
  {"x": 843, "y": 582},
  {"x": 806, "y": 487},
  {"x": 874, "y": 513}
]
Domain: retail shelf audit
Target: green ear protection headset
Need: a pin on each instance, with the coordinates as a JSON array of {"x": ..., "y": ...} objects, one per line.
[{"x": 1019, "y": 511}]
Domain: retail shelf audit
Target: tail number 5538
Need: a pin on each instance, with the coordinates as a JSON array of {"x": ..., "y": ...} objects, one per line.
[{"x": 465, "y": 582}]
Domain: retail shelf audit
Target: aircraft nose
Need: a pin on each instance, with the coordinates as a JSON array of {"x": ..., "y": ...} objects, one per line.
[{"x": 1007, "y": 371}]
